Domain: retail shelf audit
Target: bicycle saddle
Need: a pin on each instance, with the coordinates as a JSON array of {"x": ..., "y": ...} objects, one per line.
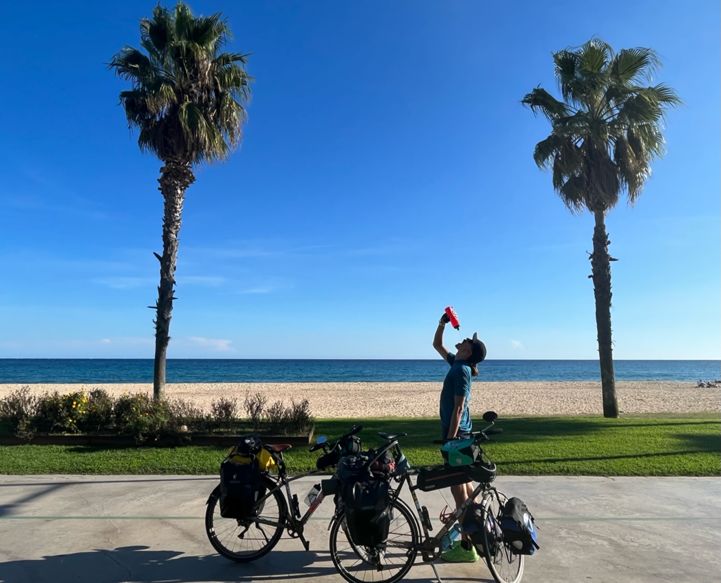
[
  {"x": 278, "y": 447},
  {"x": 391, "y": 436}
]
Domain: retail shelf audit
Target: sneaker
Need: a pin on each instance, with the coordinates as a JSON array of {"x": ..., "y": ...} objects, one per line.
[{"x": 459, "y": 554}]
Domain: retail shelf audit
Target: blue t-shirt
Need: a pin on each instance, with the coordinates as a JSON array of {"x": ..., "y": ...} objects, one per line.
[{"x": 456, "y": 384}]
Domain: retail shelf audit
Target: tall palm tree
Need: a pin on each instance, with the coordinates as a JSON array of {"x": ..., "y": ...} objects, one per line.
[
  {"x": 188, "y": 101},
  {"x": 604, "y": 135}
]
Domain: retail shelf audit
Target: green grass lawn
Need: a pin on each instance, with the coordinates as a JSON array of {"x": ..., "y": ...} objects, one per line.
[{"x": 631, "y": 446}]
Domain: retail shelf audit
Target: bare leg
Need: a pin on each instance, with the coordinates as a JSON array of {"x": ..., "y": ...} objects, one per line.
[
  {"x": 469, "y": 489},
  {"x": 461, "y": 493}
]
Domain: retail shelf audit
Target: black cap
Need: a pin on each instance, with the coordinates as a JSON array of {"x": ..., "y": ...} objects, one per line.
[{"x": 479, "y": 350}]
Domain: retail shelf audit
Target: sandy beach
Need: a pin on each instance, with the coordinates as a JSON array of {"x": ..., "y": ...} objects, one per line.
[{"x": 389, "y": 399}]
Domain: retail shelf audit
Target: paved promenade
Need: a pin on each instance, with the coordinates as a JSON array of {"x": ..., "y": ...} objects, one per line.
[{"x": 128, "y": 529}]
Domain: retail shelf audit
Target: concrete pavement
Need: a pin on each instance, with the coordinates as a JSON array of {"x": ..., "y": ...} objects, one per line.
[{"x": 150, "y": 529}]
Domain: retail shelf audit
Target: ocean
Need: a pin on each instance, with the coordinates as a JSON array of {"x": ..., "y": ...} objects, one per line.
[{"x": 237, "y": 370}]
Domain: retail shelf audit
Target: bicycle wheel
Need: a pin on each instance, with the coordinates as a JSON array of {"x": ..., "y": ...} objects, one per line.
[
  {"x": 383, "y": 563},
  {"x": 247, "y": 539},
  {"x": 505, "y": 565}
]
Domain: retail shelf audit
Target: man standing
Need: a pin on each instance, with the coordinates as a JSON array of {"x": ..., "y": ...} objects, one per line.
[{"x": 455, "y": 416}]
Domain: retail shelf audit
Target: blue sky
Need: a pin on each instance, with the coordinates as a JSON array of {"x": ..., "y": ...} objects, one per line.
[{"x": 386, "y": 171}]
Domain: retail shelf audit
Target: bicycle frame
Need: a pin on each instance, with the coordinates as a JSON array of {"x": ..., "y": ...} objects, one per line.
[
  {"x": 430, "y": 545},
  {"x": 294, "y": 522}
]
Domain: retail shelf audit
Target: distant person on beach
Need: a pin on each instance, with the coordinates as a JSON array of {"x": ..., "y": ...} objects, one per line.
[{"x": 455, "y": 415}]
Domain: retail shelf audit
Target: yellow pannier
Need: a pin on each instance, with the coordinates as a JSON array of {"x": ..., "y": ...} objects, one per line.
[{"x": 266, "y": 462}]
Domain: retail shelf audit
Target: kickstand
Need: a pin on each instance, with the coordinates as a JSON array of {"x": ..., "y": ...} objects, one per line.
[
  {"x": 306, "y": 544},
  {"x": 438, "y": 577}
]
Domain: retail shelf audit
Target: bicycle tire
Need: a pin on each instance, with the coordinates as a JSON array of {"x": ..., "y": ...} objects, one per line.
[
  {"x": 403, "y": 535},
  {"x": 222, "y": 532},
  {"x": 505, "y": 565}
]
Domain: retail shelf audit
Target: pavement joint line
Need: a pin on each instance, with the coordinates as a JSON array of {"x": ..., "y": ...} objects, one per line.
[{"x": 322, "y": 518}]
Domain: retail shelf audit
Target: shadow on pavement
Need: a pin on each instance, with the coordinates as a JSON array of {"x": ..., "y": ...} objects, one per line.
[{"x": 141, "y": 564}]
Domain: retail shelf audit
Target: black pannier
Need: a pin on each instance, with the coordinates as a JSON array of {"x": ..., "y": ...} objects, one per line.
[
  {"x": 518, "y": 527},
  {"x": 353, "y": 468},
  {"x": 241, "y": 480},
  {"x": 472, "y": 524},
  {"x": 367, "y": 512},
  {"x": 366, "y": 500},
  {"x": 241, "y": 486},
  {"x": 330, "y": 486}
]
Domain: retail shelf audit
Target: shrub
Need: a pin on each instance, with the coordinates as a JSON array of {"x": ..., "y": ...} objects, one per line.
[
  {"x": 19, "y": 409},
  {"x": 292, "y": 419},
  {"x": 298, "y": 416},
  {"x": 61, "y": 413},
  {"x": 254, "y": 406},
  {"x": 224, "y": 410},
  {"x": 276, "y": 416},
  {"x": 185, "y": 413},
  {"x": 142, "y": 417},
  {"x": 99, "y": 412}
]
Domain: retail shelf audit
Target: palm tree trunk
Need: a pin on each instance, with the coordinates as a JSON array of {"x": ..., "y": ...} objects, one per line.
[
  {"x": 175, "y": 177},
  {"x": 601, "y": 274}
]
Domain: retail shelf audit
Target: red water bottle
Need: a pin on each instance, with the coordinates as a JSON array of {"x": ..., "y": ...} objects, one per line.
[{"x": 453, "y": 317}]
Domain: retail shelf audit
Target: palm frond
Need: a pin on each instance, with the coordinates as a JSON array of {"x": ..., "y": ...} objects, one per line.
[
  {"x": 567, "y": 64},
  {"x": 633, "y": 65},
  {"x": 633, "y": 169},
  {"x": 541, "y": 100},
  {"x": 158, "y": 31},
  {"x": 546, "y": 150},
  {"x": 573, "y": 193},
  {"x": 594, "y": 56},
  {"x": 132, "y": 65}
]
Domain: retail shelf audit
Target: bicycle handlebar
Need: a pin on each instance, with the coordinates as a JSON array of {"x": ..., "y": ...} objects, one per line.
[
  {"x": 329, "y": 445},
  {"x": 479, "y": 436}
]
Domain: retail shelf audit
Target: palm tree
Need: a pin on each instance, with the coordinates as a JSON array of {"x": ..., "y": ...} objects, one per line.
[
  {"x": 604, "y": 135},
  {"x": 188, "y": 101}
]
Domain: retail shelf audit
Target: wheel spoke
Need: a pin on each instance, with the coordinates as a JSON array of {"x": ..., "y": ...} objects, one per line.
[
  {"x": 385, "y": 563},
  {"x": 246, "y": 540}
]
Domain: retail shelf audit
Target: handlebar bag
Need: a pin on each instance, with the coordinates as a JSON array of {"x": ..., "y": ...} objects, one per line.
[
  {"x": 518, "y": 527},
  {"x": 241, "y": 487},
  {"x": 249, "y": 445},
  {"x": 460, "y": 452},
  {"x": 328, "y": 460},
  {"x": 350, "y": 445}
]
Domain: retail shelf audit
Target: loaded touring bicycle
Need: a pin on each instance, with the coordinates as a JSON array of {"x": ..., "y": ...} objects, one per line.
[
  {"x": 375, "y": 535},
  {"x": 484, "y": 518}
]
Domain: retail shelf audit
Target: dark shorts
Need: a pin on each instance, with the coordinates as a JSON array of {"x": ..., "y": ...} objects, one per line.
[{"x": 461, "y": 434}]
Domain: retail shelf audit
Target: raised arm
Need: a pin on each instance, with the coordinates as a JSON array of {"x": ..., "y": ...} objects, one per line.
[{"x": 438, "y": 337}]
